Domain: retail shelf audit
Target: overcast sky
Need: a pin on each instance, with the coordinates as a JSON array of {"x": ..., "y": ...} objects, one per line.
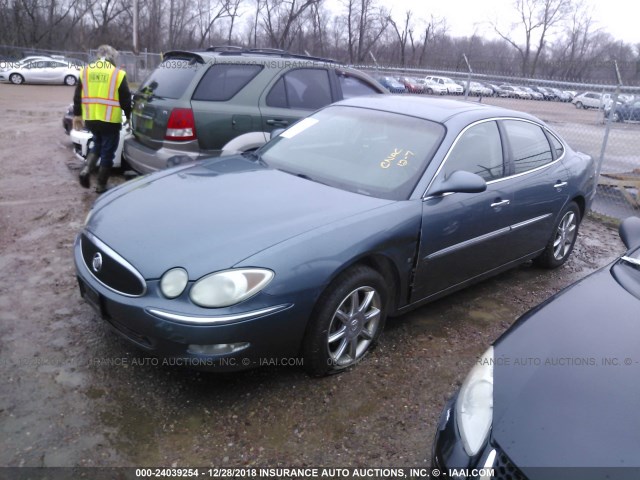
[{"x": 618, "y": 17}]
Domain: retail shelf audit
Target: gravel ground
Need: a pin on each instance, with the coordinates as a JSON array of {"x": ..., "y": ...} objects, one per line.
[{"x": 75, "y": 395}]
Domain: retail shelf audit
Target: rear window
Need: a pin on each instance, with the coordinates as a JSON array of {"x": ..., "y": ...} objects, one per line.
[
  {"x": 223, "y": 81},
  {"x": 171, "y": 78}
]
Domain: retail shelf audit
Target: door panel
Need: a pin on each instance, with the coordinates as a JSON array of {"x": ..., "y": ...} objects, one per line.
[{"x": 463, "y": 235}]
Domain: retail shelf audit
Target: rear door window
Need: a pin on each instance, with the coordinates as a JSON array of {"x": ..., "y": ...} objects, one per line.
[
  {"x": 303, "y": 88},
  {"x": 223, "y": 81},
  {"x": 529, "y": 145}
]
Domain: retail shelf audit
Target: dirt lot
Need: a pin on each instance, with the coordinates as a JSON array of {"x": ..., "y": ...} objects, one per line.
[{"x": 71, "y": 395}]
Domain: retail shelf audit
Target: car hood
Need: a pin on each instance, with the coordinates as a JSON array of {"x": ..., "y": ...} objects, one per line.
[
  {"x": 579, "y": 406},
  {"x": 212, "y": 215}
]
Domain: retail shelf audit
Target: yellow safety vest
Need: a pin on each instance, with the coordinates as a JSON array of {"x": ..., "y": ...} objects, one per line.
[{"x": 100, "y": 99}]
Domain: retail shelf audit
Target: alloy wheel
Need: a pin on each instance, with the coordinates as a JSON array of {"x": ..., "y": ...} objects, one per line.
[
  {"x": 354, "y": 326},
  {"x": 565, "y": 235}
]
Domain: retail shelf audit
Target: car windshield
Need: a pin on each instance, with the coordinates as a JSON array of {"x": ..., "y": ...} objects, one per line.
[{"x": 371, "y": 152}]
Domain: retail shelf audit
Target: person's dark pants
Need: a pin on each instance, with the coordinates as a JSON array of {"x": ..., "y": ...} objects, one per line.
[{"x": 105, "y": 145}]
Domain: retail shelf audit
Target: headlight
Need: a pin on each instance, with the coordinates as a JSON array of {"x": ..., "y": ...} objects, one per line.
[
  {"x": 223, "y": 289},
  {"x": 173, "y": 282},
  {"x": 474, "y": 406}
]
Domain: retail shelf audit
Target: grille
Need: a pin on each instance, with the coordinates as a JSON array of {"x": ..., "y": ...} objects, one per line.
[
  {"x": 504, "y": 469},
  {"x": 114, "y": 272}
]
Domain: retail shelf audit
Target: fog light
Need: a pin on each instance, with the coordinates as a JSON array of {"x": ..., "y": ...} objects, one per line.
[{"x": 217, "y": 349}]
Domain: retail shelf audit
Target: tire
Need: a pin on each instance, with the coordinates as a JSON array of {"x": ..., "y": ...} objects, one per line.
[
  {"x": 347, "y": 321},
  {"x": 70, "y": 80},
  {"x": 579, "y": 105},
  {"x": 430, "y": 91},
  {"x": 617, "y": 117},
  {"x": 16, "y": 79},
  {"x": 563, "y": 238}
]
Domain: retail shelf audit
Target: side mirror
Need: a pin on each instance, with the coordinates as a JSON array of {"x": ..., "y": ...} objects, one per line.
[
  {"x": 275, "y": 132},
  {"x": 630, "y": 232},
  {"x": 459, "y": 181}
]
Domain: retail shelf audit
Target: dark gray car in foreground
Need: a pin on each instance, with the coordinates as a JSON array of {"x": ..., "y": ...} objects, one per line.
[
  {"x": 366, "y": 209},
  {"x": 557, "y": 395}
]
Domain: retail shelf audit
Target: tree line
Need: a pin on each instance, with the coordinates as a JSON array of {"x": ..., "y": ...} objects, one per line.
[{"x": 557, "y": 39}]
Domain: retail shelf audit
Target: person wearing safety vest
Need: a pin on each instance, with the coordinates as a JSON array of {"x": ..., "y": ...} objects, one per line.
[{"x": 101, "y": 95}]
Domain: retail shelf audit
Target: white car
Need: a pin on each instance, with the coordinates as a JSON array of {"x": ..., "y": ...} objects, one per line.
[
  {"x": 432, "y": 88},
  {"x": 82, "y": 143},
  {"x": 41, "y": 70},
  {"x": 452, "y": 87},
  {"x": 592, "y": 100}
]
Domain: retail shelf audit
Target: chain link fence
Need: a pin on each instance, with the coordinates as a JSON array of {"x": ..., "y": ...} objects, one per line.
[
  {"x": 137, "y": 65},
  {"x": 583, "y": 114}
]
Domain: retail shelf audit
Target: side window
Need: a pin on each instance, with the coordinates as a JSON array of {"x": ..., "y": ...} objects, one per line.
[
  {"x": 479, "y": 150},
  {"x": 529, "y": 145},
  {"x": 223, "y": 81},
  {"x": 557, "y": 145},
  {"x": 354, "y": 87},
  {"x": 304, "y": 89}
]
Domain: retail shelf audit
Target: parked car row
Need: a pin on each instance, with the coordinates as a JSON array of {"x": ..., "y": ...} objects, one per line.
[{"x": 440, "y": 85}]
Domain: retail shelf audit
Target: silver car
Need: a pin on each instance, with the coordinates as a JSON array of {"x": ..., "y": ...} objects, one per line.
[{"x": 41, "y": 70}]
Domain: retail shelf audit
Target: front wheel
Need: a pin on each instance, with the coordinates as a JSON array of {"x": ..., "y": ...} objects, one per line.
[
  {"x": 16, "y": 79},
  {"x": 579, "y": 105},
  {"x": 562, "y": 239},
  {"x": 346, "y": 322},
  {"x": 70, "y": 80}
]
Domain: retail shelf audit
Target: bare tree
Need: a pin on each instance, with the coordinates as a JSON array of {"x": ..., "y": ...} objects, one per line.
[
  {"x": 536, "y": 19},
  {"x": 403, "y": 35},
  {"x": 281, "y": 20}
]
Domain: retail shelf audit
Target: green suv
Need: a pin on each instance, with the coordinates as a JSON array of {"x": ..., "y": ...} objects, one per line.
[{"x": 228, "y": 100}]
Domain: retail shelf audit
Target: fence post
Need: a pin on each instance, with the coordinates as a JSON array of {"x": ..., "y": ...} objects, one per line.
[
  {"x": 607, "y": 127},
  {"x": 466, "y": 92}
]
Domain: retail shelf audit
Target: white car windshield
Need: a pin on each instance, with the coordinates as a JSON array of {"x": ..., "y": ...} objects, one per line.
[{"x": 371, "y": 152}]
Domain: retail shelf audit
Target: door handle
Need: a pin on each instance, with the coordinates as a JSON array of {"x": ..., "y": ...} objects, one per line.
[
  {"x": 500, "y": 204},
  {"x": 560, "y": 184},
  {"x": 278, "y": 122}
]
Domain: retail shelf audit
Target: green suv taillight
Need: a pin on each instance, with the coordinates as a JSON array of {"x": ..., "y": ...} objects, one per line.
[{"x": 181, "y": 125}]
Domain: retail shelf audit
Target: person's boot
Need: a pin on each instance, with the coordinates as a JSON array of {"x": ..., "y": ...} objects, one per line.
[
  {"x": 90, "y": 166},
  {"x": 103, "y": 176}
]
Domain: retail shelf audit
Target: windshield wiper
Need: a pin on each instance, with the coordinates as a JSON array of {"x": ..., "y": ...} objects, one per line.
[{"x": 255, "y": 157}]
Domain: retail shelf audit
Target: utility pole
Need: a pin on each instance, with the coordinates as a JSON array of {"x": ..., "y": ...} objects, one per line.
[{"x": 135, "y": 26}]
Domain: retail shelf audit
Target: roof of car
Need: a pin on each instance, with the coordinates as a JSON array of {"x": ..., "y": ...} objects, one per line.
[
  {"x": 231, "y": 51},
  {"x": 436, "y": 109}
]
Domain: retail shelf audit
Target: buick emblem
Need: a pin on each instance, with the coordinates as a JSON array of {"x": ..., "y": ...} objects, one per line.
[{"x": 96, "y": 263}]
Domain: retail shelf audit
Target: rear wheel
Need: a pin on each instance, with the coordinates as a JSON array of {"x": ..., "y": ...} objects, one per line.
[
  {"x": 617, "y": 117},
  {"x": 16, "y": 79},
  {"x": 562, "y": 239},
  {"x": 346, "y": 323},
  {"x": 70, "y": 80}
]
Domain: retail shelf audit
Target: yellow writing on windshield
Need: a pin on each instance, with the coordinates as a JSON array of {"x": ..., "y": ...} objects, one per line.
[{"x": 399, "y": 157}]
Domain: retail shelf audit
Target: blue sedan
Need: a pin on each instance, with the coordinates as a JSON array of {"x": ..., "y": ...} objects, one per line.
[{"x": 364, "y": 210}]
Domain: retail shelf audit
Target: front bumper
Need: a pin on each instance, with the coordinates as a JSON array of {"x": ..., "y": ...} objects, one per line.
[{"x": 267, "y": 333}]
